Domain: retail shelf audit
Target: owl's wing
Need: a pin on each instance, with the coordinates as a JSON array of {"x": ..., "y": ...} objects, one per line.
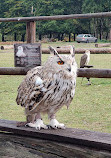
[
  {"x": 83, "y": 60},
  {"x": 33, "y": 88}
]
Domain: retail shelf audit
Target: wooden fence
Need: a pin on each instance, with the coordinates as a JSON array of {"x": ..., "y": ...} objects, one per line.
[
  {"x": 98, "y": 143},
  {"x": 94, "y": 73},
  {"x": 31, "y": 21},
  {"x": 31, "y": 36}
]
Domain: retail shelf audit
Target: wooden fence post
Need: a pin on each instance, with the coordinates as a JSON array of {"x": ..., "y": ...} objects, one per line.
[{"x": 31, "y": 31}]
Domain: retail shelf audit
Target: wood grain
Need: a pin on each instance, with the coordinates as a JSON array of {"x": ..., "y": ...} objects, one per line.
[
  {"x": 82, "y": 72},
  {"x": 12, "y": 145},
  {"x": 92, "y": 139},
  {"x": 57, "y": 17},
  {"x": 31, "y": 32}
]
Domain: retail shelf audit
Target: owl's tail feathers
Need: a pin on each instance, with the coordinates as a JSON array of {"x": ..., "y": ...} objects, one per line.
[
  {"x": 18, "y": 101},
  {"x": 29, "y": 118},
  {"x": 21, "y": 124}
]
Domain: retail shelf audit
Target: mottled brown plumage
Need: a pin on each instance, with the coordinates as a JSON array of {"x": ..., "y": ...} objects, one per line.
[
  {"x": 85, "y": 58},
  {"x": 47, "y": 88}
]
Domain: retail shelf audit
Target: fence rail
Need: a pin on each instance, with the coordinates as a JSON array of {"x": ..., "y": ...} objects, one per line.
[
  {"x": 66, "y": 50},
  {"x": 79, "y": 50},
  {"x": 89, "y": 73},
  {"x": 31, "y": 21},
  {"x": 57, "y": 17}
]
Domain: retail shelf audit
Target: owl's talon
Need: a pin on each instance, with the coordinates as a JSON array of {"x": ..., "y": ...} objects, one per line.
[
  {"x": 55, "y": 124},
  {"x": 49, "y": 127},
  {"x": 38, "y": 125},
  {"x": 37, "y": 128}
]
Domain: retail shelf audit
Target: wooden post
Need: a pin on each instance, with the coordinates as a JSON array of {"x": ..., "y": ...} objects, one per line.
[{"x": 31, "y": 31}]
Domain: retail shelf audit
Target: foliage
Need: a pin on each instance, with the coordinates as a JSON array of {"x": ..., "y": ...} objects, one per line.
[{"x": 25, "y": 8}]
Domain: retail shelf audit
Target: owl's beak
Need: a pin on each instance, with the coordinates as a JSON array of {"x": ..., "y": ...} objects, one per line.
[{"x": 69, "y": 69}]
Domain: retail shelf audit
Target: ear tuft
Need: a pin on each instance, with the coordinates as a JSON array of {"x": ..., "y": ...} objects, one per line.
[
  {"x": 72, "y": 51},
  {"x": 53, "y": 51}
]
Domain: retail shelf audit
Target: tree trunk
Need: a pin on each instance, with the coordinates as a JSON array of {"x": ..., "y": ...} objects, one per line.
[
  {"x": 59, "y": 37},
  {"x": 89, "y": 26},
  {"x": 106, "y": 35},
  {"x": 3, "y": 39},
  {"x": 40, "y": 36},
  {"x": 100, "y": 36},
  {"x": 69, "y": 37},
  {"x": 74, "y": 37},
  {"x": 23, "y": 38},
  {"x": 50, "y": 35},
  {"x": 15, "y": 36},
  {"x": 110, "y": 35},
  {"x": 62, "y": 36},
  {"x": 101, "y": 28}
]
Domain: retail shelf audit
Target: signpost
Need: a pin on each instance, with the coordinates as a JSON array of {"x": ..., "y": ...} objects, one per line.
[{"x": 27, "y": 55}]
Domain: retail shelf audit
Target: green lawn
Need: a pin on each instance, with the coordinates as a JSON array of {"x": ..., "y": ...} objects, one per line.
[{"x": 90, "y": 108}]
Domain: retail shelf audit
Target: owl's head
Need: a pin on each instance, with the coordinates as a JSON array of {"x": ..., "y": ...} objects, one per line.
[
  {"x": 87, "y": 52},
  {"x": 20, "y": 48},
  {"x": 65, "y": 63}
]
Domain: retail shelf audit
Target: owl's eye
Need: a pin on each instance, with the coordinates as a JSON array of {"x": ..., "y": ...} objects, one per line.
[{"x": 60, "y": 62}]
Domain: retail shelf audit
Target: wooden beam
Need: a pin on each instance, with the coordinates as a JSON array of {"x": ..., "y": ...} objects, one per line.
[
  {"x": 31, "y": 32},
  {"x": 94, "y": 73},
  {"x": 7, "y": 47},
  {"x": 13, "y": 71},
  {"x": 103, "y": 45},
  {"x": 79, "y": 50},
  {"x": 63, "y": 50},
  {"x": 96, "y": 140},
  {"x": 82, "y": 72},
  {"x": 57, "y": 17},
  {"x": 21, "y": 146}
]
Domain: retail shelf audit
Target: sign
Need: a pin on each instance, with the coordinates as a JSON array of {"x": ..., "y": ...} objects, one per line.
[{"x": 27, "y": 55}]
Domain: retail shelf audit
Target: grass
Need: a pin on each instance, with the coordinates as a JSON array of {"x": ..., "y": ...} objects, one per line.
[
  {"x": 77, "y": 45},
  {"x": 90, "y": 108}
]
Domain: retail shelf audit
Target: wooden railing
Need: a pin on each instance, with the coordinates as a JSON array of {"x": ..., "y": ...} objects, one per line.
[
  {"x": 94, "y": 73},
  {"x": 31, "y": 36},
  {"x": 31, "y": 21}
]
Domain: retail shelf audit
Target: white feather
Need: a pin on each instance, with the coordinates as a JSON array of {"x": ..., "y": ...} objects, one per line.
[
  {"x": 20, "y": 52},
  {"x": 38, "y": 81}
]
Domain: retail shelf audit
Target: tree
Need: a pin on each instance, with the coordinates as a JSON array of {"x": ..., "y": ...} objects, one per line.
[
  {"x": 25, "y": 8},
  {"x": 99, "y": 26},
  {"x": 14, "y": 8}
]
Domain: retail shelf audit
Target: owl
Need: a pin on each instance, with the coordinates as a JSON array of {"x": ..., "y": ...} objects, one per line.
[
  {"x": 47, "y": 88},
  {"x": 20, "y": 52},
  {"x": 85, "y": 58}
]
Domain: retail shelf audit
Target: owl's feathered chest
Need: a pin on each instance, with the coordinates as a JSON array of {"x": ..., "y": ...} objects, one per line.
[
  {"x": 52, "y": 92},
  {"x": 60, "y": 91}
]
